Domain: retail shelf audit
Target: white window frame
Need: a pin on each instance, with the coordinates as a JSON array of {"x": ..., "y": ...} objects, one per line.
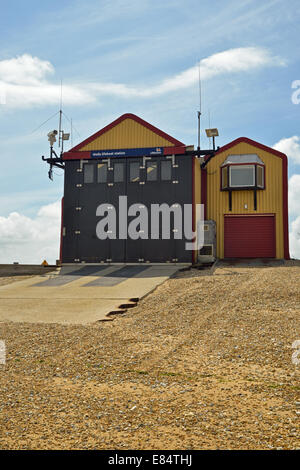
[
  {"x": 242, "y": 185},
  {"x": 263, "y": 176}
]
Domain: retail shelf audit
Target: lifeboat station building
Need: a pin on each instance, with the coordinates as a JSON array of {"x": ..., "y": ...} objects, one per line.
[{"x": 242, "y": 188}]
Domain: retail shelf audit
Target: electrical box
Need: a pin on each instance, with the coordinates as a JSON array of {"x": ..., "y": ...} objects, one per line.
[{"x": 207, "y": 254}]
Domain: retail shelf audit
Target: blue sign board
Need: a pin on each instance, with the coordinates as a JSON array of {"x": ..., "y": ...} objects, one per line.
[{"x": 127, "y": 152}]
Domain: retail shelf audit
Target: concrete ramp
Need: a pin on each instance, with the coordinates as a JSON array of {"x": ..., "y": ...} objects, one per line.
[{"x": 79, "y": 295}]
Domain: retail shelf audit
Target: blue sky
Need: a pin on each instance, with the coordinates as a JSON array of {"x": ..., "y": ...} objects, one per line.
[{"x": 137, "y": 56}]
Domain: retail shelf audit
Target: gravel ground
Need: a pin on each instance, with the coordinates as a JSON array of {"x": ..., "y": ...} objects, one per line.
[{"x": 204, "y": 362}]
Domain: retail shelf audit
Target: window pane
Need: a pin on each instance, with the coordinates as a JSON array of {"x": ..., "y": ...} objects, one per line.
[
  {"x": 242, "y": 175},
  {"x": 102, "y": 173},
  {"x": 134, "y": 172},
  {"x": 260, "y": 177},
  {"x": 151, "y": 171},
  {"x": 118, "y": 172},
  {"x": 88, "y": 173},
  {"x": 224, "y": 177},
  {"x": 166, "y": 170}
]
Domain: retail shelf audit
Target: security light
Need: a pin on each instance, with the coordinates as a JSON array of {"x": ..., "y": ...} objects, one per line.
[
  {"x": 65, "y": 136},
  {"x": 212, "y": 132}
]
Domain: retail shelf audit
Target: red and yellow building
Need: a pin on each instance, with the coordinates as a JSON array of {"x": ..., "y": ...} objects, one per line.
[
  {"x": 251, "y": 220},
  {"x": 243, "y": 188}
]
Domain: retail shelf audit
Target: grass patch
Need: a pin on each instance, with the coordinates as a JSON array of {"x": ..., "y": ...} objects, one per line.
[{"x": 170, "y": 374}]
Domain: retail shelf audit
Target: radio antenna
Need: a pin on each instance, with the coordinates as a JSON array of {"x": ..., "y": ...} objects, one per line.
[
  {"x": 200, "y": 106},
  {"x": 209, "y": 127},
  {"x": 60, "y": 116}
]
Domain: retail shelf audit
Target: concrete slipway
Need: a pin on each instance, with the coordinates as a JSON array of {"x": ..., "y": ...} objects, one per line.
[{"x": 79, "y": 295}]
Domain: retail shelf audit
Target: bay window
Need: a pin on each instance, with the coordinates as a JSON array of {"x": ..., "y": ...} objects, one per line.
[{"x": 242, "y": 172}]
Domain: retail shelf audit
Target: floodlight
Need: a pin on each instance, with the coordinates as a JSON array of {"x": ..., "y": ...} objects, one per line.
[
  {"x": 212, "y": 132},
  {"x": 65, "y": 136}
]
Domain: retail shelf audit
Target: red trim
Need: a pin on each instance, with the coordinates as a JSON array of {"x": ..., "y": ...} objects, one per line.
[
  {"x": 73, "y": 155},
  {"x": 61, "y": 229},
  {"x": 174, "y": 150},
  {"x": 241, "y": 164},
  {"x": 118, "y": 121},
  {"x": 204, "y": 190},
  {"x": 284, "y": 182}
]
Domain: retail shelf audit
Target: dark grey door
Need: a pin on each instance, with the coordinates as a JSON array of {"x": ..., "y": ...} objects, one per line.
[
  {"x": 116, "y": 189},
  {"x": 94, "y": 192},
  {"x": 71, "y": 220},
  {"x": 159, "y": 192},
  {"x": 135, "y": 185}
]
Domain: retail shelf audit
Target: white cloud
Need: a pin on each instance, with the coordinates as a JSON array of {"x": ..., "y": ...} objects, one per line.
[
  {"x": 294, "y": 195},
  {"x": 25, "y": 69},
  {"x": 25, "y": 82},
  {"x": 295, "y": 239},
  {"x": 230, "y": 61},
  {"x": 294, "y": 211},
  {"x": 291, "y": 147},
  {"x": 31, "y": 240}
]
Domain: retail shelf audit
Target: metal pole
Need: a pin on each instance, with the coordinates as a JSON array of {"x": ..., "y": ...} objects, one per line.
[
  {"x": 59, "y": 132},
  {"x": 199, "y": 114}
]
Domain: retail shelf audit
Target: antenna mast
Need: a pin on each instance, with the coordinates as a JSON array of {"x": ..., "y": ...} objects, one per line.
[
  {"x": 54, "y": 159},
  {"x": 60, "y": 116},
  {"x": 200, "y": 106}
]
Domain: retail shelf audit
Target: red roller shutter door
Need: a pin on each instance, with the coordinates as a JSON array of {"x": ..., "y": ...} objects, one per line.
[{"x": 249, "y": 237}]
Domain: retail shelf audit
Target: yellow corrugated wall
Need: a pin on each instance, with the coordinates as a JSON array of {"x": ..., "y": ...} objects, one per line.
[
  {"x": 269, "y": 200},
  {"x": 127, "y": 134}
]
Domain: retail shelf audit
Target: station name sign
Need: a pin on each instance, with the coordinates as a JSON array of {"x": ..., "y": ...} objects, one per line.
[{"x": 136, "y": 152}]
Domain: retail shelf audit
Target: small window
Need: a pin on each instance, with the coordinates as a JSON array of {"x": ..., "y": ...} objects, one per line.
[
  {"x": 134, "y": 172},
  {"x": 102, "y": 173},
  {"x": 225, "y": 177},
  {"x": 260, "y": 176},
  {"x": 242, "y": 176},
  {"x": 88, "y": 173},
  {"x": 118, "y": 172},
  {"x": 151, "y": 171},
  {"x": 166, "y": 170},
  {"x": 205, "y": 228}
]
